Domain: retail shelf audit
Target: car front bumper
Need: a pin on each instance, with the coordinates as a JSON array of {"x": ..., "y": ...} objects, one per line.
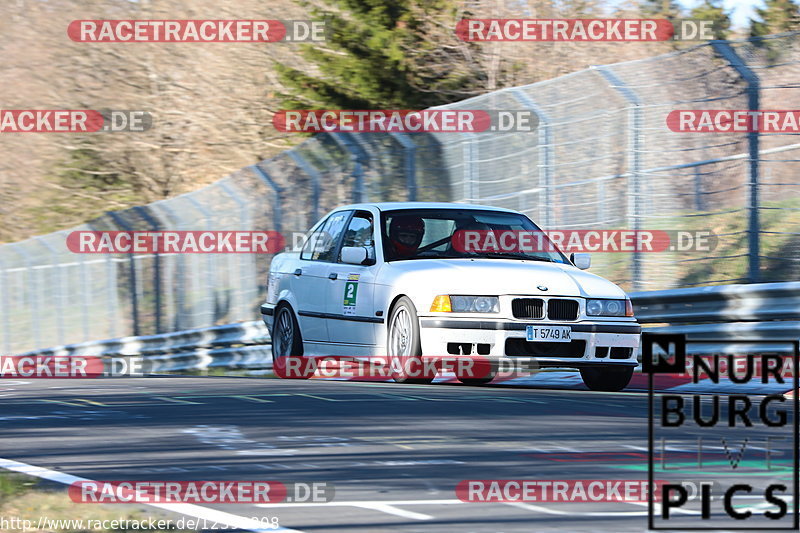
[{"x": 593, "y": 343}]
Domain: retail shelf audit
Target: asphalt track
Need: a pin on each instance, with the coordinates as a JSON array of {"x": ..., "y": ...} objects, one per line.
[{"x": 393, "y": 452}]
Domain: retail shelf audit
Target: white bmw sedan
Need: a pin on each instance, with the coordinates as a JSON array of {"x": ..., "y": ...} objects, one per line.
[{"x": 397, "y": 280}]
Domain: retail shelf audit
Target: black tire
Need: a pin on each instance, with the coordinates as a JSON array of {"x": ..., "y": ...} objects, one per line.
[
  {"x": 606, "y": 378},
  {"x": 287, "y": 343},
  {"x": 403, "y": 344}
]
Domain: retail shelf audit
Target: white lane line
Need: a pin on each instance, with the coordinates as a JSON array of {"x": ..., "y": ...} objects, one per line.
[
  {"x": 391, "y": 509},
  {"x": 388, "y": 507},
  {"x": 212, "y": 515},
  {"x": 546, "y": 510}
]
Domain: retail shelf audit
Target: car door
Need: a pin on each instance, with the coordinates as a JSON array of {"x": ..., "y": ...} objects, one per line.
[
  {"x": 310, "y": 283},
  {"x": 350, "y": 298}
]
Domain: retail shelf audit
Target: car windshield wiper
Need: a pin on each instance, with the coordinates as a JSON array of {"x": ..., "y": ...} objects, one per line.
[{"x": 515, "y": 255}]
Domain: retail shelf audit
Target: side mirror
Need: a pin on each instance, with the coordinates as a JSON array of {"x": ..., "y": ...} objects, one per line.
[
  {"x": 354, "y": 255},
  {"x": 581, "y": 260}
]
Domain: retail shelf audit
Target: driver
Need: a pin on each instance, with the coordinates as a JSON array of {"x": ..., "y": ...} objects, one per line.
[{"x": 405, "y": 235}]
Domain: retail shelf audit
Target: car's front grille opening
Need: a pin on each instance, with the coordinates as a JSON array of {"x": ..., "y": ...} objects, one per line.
[
  {"x": 527, "y": 308},
  {"x": 520, "y": 347},
  {"x": 620, "y": 352},
  {"x": 600, "y": 352},
  {"x": 559, "y": 309}
]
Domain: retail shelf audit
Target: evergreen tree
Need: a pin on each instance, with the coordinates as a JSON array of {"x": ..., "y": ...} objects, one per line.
[
  {"x": 777, "y": 16},
  {"x": 712, "y": 10},
  {"x": 382, "y": 54}
]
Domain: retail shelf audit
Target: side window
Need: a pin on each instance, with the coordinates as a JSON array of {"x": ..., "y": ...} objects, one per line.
[
  {"x": 321, "y": 245},
  {"x": 359, "y": 231}
]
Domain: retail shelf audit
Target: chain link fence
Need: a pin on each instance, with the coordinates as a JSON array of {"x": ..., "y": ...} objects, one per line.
[{"x": 601, "y": 157}]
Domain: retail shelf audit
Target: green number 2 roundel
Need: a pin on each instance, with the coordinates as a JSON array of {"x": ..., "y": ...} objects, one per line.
[{"x": 350, "y": 293}]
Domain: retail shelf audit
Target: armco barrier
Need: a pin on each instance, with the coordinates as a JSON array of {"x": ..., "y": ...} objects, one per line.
[
  {"x": 758, "y": 312},
  {"x": 243, "y": 345}
]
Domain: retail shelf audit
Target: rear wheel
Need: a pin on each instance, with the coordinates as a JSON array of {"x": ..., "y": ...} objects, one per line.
[
  {"x": 607, "y": 378},
  {"x": 287, "y": 346},
  {"x": 403, "y": 343}
]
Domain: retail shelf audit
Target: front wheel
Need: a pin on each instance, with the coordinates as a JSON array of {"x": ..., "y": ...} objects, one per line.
[
  {"x": 287, "y": 346},
  {"x": 403, "y": 343},
  {"x": 607, "y": 379}
]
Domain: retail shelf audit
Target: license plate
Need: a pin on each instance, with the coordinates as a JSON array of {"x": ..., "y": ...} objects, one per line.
[{"x": 548, "y": 333}]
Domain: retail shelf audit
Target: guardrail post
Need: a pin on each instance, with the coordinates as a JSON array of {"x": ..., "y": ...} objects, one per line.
[
  {"x": 546, "y": 158},
  {"x": 132, "y": 270},
  {"x": 359, "y": 158},
  {"x": 276, "y": 206},
  {"x": 156, "y": 266},
  {"x": 315, "y": 176},
  {"x": 410, "y": 155},
  {"x": 724, "y": 49},
  {"x": 635, "y": 189}
]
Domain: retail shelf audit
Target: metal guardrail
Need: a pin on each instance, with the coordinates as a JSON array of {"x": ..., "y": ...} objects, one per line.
[
  {"x": 757, "y": 312},
  {"x": 242, "y": 345}
]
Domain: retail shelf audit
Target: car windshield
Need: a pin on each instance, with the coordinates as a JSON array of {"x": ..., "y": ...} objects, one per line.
[{"x": 464, "y": 233}]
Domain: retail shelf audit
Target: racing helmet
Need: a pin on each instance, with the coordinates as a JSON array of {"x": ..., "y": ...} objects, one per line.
[{"x": 405, "y": 233}]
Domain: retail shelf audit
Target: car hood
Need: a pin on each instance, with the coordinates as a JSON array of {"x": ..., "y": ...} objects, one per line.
[{"x": 496, "y": 276}]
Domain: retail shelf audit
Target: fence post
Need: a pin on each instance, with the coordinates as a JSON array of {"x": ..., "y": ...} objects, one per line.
[
  {"x": 245, "y": 260},
  {"x": 6, "y": 310},
  {"x": 724, "y": 49},
  {"x": 156, "y": 266},
  {"x": 276, "y": 207},
  {"x": 359, "y": 158},
  {"x": 178, "y": 320},
  {"x": 469, "y": 162},
  {"x": 546, "y": 156},
  {"x": 635, "y": 189},
  {"x": 210, "y": 309},
  {"x": 410, "y": 155},
  {"x": 57, "y": 272},
  {"x": 118, "y": 220},
  {"x": 315, "y": 181}
]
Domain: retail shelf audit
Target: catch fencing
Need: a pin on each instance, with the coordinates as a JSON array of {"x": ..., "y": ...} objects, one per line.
[{"x": 601, "y": 157}]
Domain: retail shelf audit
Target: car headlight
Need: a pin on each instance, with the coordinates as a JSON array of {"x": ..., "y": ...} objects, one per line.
[
  {"x": 609, "y": 307},
  {"x": 465, "y": 304}
]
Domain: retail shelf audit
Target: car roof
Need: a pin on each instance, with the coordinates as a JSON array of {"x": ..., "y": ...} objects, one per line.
[{"x": 392, "y": 206}]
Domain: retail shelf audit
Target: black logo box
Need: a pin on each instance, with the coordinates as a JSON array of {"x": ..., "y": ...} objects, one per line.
[{"x": 664, "y": 366}]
